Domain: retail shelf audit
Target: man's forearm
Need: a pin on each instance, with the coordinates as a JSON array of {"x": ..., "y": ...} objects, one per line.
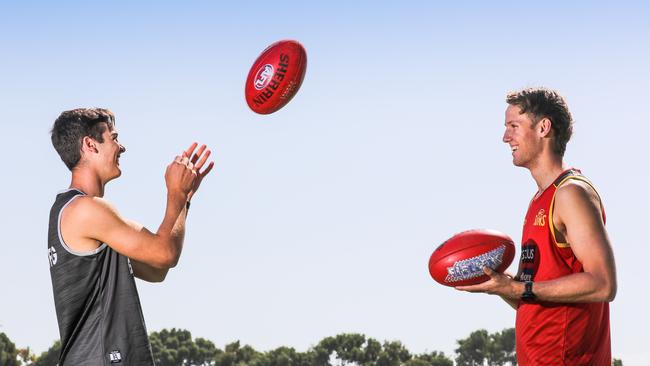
[
  {"x": 172, "y": 229},
  {"x": 574, "y": 288}
]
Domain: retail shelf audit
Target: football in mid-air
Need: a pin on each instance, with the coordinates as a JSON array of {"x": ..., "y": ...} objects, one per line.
[
  {"x": 275, "y": 76},
  {"x": 459, "y": 261}
]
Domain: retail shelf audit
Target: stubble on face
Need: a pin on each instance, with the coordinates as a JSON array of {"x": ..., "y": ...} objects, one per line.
[{"x": 519, "y": 135}]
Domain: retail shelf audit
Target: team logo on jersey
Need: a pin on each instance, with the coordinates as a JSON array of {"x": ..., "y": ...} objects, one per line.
[
  {"x": 529, "y": 261},
  {"x": 115, "y": 357},
  {"x": 540, "y": 218},
  {"x": 52, "y": 256}
]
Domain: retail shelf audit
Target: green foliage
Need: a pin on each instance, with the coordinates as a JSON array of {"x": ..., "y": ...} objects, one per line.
[
  {"x": 175, "y": 348},
  {"x": 496, "y": 349},
  {"x": 26, "y": 356},
  {"x": 430, "y": 359},
  {"x": 343, "y": 349},
  {"x": 234, "y": 355},
  {"x": 8, "y": 352},
  {"x": 49, "y": 357},
  {"x": 349, "y": 348},
  {"x": 393, "y": 354},
  {"x": 501, "y": 348},
  {"x": 472, "y": 350},
  {"x": 283, "y": 356}
]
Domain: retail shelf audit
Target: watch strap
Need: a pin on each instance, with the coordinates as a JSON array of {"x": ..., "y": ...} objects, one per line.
[{"x": 528, "y": 294}]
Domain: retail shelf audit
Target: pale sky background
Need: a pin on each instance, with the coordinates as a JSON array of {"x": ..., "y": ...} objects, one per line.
[{"x": 320, "y": 219}]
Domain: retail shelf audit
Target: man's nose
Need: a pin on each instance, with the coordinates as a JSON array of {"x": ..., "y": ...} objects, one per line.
[{"x": 122, "y": 149}]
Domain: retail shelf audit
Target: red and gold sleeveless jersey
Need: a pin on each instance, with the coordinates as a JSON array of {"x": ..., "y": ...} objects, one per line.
[{"x": 556, "y": 333}]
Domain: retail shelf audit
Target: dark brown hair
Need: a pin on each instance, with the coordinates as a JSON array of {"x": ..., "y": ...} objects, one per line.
[
  {"x": 72, "y": 126},
  {"x": 542, "y": 103}
]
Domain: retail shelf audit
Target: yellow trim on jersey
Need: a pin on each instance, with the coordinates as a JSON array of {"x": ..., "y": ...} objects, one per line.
[{"x": 550, "y": 211}]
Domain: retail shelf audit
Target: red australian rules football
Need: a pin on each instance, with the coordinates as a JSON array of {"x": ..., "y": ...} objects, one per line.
[
  {"x": 275, "y": 76},
  {"x": 459, "y": 261}
]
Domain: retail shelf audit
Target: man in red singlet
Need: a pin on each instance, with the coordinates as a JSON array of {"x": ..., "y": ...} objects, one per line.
[{"x": 566, "y": 275}]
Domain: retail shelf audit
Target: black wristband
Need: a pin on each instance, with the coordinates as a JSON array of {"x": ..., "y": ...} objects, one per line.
[{"x": 528, "y": 294}]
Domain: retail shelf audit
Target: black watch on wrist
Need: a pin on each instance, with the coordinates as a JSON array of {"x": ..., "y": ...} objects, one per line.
[{"x": 528, "y": 294}]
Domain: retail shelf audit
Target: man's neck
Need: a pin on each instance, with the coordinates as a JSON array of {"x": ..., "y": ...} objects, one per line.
[
  {"x": 87, "y": 182},
  {"x": 546, "y": 170}
]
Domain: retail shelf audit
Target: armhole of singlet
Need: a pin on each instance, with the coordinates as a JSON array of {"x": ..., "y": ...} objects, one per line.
[
  {"x": 63, "y": 244},
  {"x": 550, "y": 213}
]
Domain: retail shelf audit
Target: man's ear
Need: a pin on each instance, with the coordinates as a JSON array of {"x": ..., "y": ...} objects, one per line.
[
  {"x": 88, "y": 144},
  {"x": 544, "y": 127}
]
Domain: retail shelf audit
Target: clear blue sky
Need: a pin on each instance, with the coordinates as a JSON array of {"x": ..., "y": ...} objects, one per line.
[{"x": 320, "y": 218}]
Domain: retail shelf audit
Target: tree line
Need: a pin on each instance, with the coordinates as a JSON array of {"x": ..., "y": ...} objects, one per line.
[{"x": 175, "y": 347}]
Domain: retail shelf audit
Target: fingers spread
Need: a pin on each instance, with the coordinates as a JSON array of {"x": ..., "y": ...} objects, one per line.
[
  {"x": 190, "y": 149},
  {"x": 198, "y": 153},
  {"x": 196, "y": 161},
  {"x": 203, "y": 159},
  {"x": 207, "y": 170}
]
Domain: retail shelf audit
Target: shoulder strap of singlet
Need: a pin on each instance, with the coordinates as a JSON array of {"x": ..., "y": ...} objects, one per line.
[
  {"x": 566, "y": 175},
  {"x": 563, "y": 178},
  {"x": 64, "y": 198}
]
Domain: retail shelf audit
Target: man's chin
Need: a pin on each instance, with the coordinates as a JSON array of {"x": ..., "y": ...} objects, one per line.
[
  {"x": 116, "y": 175},
  {"x": 520, "y": 164},
  {"x": 517, "y": 163}
]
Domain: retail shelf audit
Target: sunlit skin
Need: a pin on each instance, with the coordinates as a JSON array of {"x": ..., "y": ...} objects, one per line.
[
  {"x": 577, "y": 219},
  {"x": 523, "y": 137},
  {"x": 99, "y": 162},
  {"x": 90, "y": 220}
]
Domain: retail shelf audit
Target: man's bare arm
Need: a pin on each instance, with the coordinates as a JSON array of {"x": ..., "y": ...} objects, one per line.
[
  {"x": 100, "y": 221},
  {"x": 578, "y": 218},
  {"x": 92, "y": 219}
]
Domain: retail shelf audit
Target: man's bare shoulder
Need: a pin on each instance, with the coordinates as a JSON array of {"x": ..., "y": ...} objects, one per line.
[
  {"x": 87, "y": 210},
  {"x": 575, "y": 191},
  {"x": 89, "y": 203},
  {"x": 577, "y": 203}
]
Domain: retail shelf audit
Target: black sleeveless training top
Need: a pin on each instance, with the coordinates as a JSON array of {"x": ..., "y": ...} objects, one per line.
[{"x": 97, "y": 303}]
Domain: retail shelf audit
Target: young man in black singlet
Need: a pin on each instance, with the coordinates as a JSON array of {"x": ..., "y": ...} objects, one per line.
[{"x": 95, "y": 253}]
